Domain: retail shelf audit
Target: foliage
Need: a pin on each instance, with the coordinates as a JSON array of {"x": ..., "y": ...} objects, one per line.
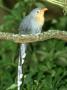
[{"x": 45, "y": 67}]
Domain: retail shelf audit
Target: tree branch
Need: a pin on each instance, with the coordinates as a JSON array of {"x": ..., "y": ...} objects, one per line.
[
  {"x": 57, "y": 2},
  {"x": 56, "y": 34},
  {"x": 5, "y": 8}
]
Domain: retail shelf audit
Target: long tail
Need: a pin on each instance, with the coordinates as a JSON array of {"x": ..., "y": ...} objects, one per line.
[{"x": 22, "y": 55}]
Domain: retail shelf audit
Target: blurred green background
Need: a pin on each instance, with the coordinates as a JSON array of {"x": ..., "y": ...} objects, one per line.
[{"x": 45, "y": 66}]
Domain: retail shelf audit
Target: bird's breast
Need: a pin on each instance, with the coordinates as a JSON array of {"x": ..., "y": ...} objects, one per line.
[
  {"x": 40, "y": 20},
  {"x": 35, "y": 27}
]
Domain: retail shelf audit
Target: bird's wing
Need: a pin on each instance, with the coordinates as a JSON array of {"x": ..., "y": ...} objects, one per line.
[{"x": 25, "y": 27}]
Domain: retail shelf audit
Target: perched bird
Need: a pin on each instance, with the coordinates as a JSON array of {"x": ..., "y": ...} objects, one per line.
[{"x": 31, "y": 24}]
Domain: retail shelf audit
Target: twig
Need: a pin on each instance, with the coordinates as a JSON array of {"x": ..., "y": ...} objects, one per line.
[
  {"x": 5, "y": 8},
  {"x": 56, "y": 34},
  {"x": 61, "y": 4}
]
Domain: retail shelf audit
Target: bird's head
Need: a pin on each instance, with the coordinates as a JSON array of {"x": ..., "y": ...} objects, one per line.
[{"x": 38, "y": 14}]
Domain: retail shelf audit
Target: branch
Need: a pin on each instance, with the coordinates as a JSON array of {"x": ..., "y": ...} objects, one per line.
[
  {"x": 56, "y": 34},
  {"x": 5, "y": 8},
  {"x": 56, "y": 2}
]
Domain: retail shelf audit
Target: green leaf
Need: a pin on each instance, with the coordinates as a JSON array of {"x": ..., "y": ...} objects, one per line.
[{"x": 13, "y": 86}]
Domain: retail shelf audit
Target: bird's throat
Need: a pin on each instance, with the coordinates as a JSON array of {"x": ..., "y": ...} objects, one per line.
[{"x": 40, "y": 19}]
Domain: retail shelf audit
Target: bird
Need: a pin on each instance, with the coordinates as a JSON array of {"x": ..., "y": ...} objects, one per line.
[{"x": 30, "y": 24}]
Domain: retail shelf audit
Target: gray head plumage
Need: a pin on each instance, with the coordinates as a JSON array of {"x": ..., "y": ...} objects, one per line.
[{"x": 34, "y": 11}]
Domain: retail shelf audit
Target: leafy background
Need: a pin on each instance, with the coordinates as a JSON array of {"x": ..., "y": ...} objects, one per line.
[{"x": 45, "y": 67}]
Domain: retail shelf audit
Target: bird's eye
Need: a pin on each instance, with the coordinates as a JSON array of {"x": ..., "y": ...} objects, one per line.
[{"x": 38, "y": 11}]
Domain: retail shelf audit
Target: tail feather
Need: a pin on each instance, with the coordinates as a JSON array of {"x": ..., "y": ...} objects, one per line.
[
  {"x": 22, "y": 52},
  {"x": 22, "y": 55}
]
